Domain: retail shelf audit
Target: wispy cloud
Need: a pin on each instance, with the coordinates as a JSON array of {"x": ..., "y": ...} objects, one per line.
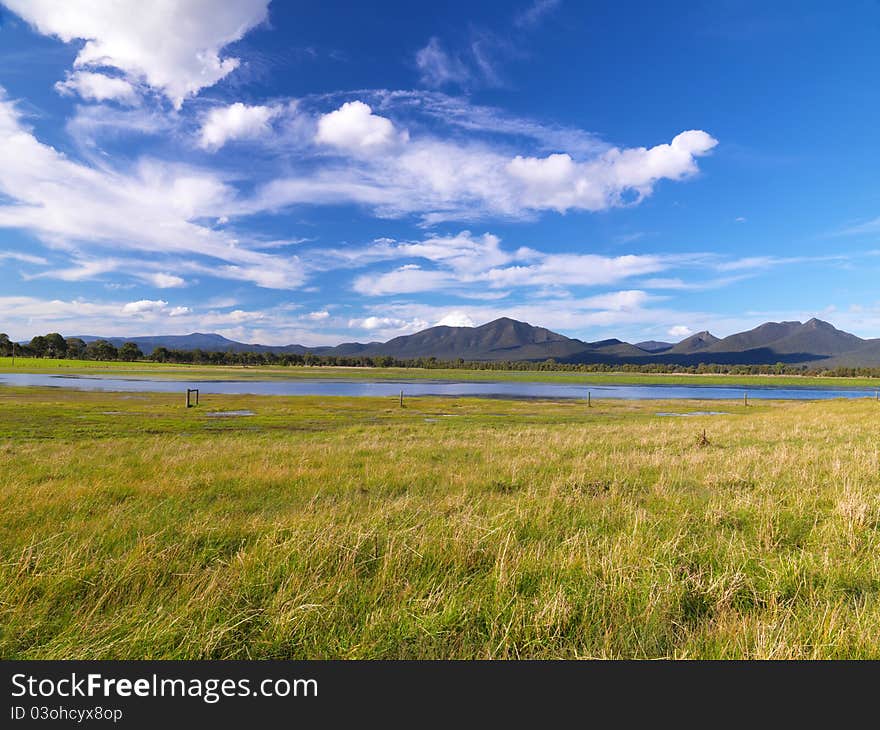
[{"x": 535, "y": 13}]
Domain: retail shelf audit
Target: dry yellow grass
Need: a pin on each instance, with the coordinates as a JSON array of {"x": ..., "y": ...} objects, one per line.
[{"x": 318, "y": 528}]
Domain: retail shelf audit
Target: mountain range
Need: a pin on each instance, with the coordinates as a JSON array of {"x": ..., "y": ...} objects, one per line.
[{"x": 810, "y": 343}]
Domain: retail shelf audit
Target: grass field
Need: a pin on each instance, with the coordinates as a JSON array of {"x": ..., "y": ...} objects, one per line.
[
  {"x": 353, "y": 528},
  {"x": 238, "y": 372}
]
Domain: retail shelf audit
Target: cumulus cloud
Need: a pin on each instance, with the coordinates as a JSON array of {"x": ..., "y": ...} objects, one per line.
[
  {"x": 173, "y": 46},
  {"x": 354, "y": 127},
  {"x": 236, "y": 121},
  {"x": 680, "y": 331},
  {"x": 455, "y": 319},
  {"x": 386, "y": 327},
  {"x": 153, "y": 306},
  {"x": 560, "y": 183},
  {"x": 165, "y": 281},
  {"x": 98, "y": 87},
  {"x": 450, "y": 180}
]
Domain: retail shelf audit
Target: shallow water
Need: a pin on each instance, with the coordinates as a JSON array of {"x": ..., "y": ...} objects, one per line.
[{"x": 340, "y": 387}]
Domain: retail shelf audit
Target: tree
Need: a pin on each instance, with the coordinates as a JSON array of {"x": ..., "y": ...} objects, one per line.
[
  {"x": 101, "y": 350},
  {"x": 38, "y": 346},
  {"x": 56, "y": 345},
  {"x": 5, "y": 344},
  {"x": 160, "y": 354},
  {"x": 130, "y": 352},
  {"x": 76, "y": 348}
]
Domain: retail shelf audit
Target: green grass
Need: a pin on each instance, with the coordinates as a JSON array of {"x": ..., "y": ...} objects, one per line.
[
  {"x": 278, "y": 372},
  {"x": 352, "y": 528}
]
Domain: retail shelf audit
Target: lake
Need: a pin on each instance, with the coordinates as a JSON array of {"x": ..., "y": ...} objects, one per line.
[{"x": 341, "y": 387}]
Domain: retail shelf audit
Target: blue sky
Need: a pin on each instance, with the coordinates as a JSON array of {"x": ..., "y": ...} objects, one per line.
[{"x": 284, "y": 172}]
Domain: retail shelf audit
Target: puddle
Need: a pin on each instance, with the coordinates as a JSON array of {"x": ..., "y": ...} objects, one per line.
[
  {"x": 229, "y": 414},
  {"x": 695, "y": 413}
]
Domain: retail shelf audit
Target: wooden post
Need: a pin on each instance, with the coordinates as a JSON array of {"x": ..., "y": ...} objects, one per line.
[
  {"x": 197, "y": 396},
  {"x": 746, "y": 399},
  {"x": 589, "y": 400},
  {"x": 401, "y": 399}
]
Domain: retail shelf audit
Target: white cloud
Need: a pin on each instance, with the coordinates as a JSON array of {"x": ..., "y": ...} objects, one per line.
[
  {"x": 448, "y": 180},
  {"x": 318, "y": 316},
  {"x": 145, "y": 305},
  {"x": 236, "y": 121},
  {"x": 610, "y": 314},
  {"x": 535, "y": 13},
  {"x": 408, "y": 279},
  {"x": 27, "y": 316},
  {"x": 173, "y": 46},
  {"x": 98, "y": 87},
  {"x": 354, "y": 127},
  {"x": 150, "y": 209},
  {"x": 577, "y": 270},
  {"x": 467, "y": 262},
  {"x": 23, "y": 258},
  {"x": 680, "y": 331},
  {"x": 82, "y": 270},
  {"x": 165, "y": 281},
  {"x": 439, "y": 68},
  {"x": 560, "y": 183},
  {"x": 387, "y": 327},
  {"x": 455, "y": 319},
  {"x": 617, "y": 301}
]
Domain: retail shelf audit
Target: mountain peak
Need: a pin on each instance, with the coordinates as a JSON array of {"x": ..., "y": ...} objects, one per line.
[{"x": 815, "y": 323}]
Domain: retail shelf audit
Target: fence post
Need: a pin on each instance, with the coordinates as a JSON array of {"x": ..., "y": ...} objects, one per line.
[
  {"x": 589, "y": 400},
  {"x": 401, "y": 399},
  {"x": 746, "y": 399}
]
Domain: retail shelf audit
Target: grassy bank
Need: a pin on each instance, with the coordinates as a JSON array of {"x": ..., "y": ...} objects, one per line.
[
  {"x": 147, "y": 369},
  {"x": 331, "y": 527}
]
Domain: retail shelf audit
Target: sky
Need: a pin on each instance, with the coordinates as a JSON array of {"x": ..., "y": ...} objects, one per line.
[{"x": 320, "y": 172}]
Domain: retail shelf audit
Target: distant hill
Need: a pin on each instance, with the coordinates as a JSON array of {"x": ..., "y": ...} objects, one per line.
[
  {"x": 654, "y": 346},
  {"x": 811, "y": 343},
  {"x": 694, "y": 343},
  {"x": 502, "y": 339}
]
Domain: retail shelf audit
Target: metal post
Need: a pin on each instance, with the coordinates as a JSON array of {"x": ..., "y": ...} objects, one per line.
[
  {"x": 401, "y": 399},
  {"x": 589, "y": 400}
]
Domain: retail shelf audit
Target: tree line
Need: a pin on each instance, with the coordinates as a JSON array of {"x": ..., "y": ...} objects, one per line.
[{"x": 54, "y": 345}]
